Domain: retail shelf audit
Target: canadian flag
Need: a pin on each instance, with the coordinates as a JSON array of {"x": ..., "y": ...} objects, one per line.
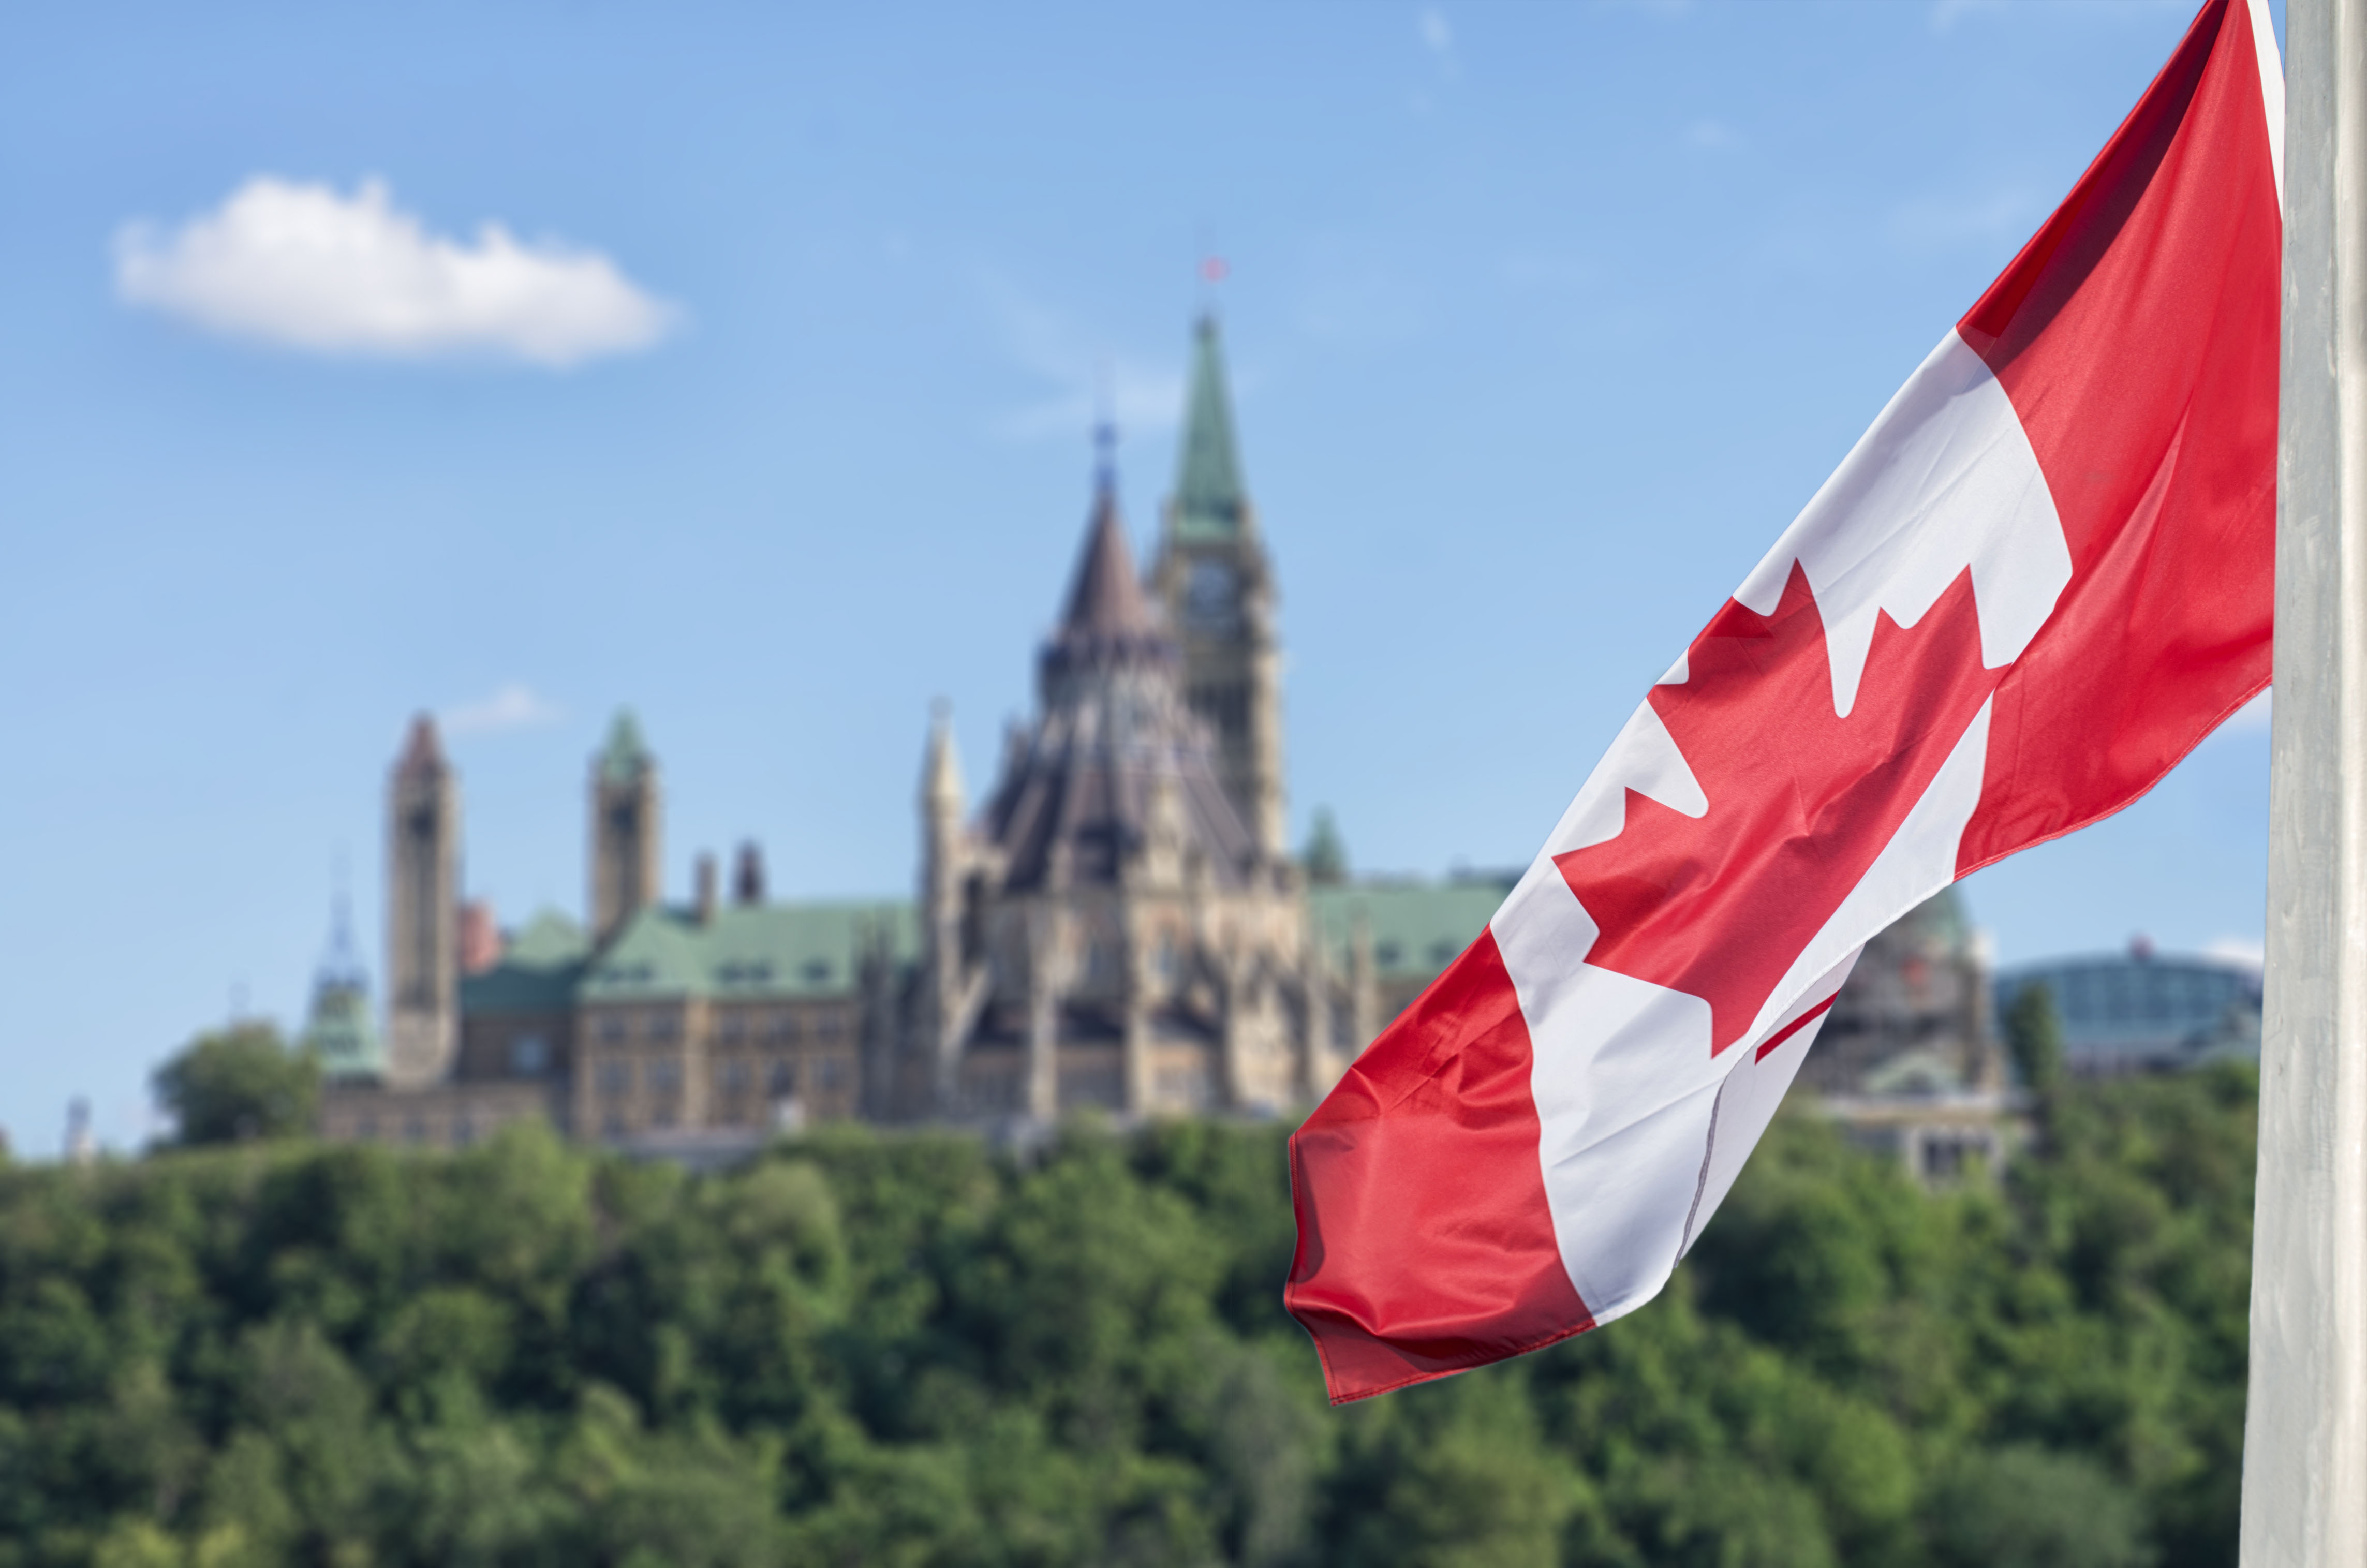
[{"x": 2039, "y": 580}]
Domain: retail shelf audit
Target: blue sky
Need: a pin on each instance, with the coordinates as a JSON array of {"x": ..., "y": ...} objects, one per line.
[{"x": 1545, "y": 321}]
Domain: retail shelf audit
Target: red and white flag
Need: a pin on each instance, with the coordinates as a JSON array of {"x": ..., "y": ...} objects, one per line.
[{"x": 2039, "y": 580}]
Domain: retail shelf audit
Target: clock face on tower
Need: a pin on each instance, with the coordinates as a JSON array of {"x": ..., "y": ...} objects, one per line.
[{"x": 1211, "y": 598}]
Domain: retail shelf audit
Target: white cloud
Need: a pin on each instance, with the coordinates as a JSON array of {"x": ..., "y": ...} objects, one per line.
[
  {"x": 513, "y": 706},
  {"x": 2237, "y": 949},
  {"x": 1436, "y": 35},
  {"x": 1083, "y": 384},
  {"x": 1711, "y": 133},
  {"x": 305, "y": 267}
]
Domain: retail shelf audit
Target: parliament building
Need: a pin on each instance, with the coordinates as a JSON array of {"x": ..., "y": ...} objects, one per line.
[{"x": 1117, "y": 924}]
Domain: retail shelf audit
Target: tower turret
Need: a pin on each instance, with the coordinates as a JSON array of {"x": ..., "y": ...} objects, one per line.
[
  {"x": 625, "y": 828},
  {"x": 1214, "y": 577},
  {"x": 338, "y": 1031},
  {"x": 943, "y": 909},
  {"x": 423, "y": 940}
]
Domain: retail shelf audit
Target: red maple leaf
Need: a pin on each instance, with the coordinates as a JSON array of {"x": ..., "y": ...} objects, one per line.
[{"x": 1801, "y": 800}]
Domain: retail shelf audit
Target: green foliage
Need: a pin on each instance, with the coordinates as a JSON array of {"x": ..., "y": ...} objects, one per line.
[
  {"x": 917, "y": 1352},
  {"x": 2033, "y": 1036},
  {"x": 1325, "y": 854},
  {"x": 238, "y": 1084}
]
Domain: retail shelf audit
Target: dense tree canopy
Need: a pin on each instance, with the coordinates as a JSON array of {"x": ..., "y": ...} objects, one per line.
[
  {"x": 238, "y": 1084},
  {"x": 912, "y": 1350}
]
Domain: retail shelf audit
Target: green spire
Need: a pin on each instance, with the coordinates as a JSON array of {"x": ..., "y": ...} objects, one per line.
[
  {"x": 1210, "y": 501},
  {"x": 625, "y": 757}
]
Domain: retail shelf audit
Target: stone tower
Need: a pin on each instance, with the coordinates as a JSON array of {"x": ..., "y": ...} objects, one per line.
[
  {"x": 1106, "y": 932},
  {"x": 626, "y": 823},
  {"x": 947, "y": 963},
  {"x": 1213, "y": 576},
  {"x": 423, "y": 939}
]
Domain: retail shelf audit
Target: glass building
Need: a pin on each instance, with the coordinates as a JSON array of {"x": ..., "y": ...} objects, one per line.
[{"x": 2141, "y": 1011}]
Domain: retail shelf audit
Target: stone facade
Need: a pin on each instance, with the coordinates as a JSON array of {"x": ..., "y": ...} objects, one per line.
[{"x": 1116, "y": 926}]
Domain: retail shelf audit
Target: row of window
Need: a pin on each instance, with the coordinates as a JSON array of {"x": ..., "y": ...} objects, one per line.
[
  {"x": 731, "y": 1027},
  {"x": 663, "y": 1076}
]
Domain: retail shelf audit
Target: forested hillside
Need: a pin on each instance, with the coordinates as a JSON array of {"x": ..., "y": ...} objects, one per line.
[{"x": 911, "y": 1350}]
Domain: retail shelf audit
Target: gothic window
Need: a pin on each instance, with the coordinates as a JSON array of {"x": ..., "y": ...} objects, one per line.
[
  {"x": 663, "y": 1076},
  {"x": 785, "y": 1079},
  {"x": 612, "y": 1028},
  {"x": 735, "y": 1075},
  {"x": 615, "y": 1077},
  {"x": 830, "y": 1070}
]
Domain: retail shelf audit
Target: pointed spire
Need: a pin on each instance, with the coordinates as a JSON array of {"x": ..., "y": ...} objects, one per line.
[
  {"x": 341, "y": 961},
  {"x": 423, "y": 752},
  {"x": 624, "y": 756},
  {"x": 941, "y": 777},
  {"x": 1210, "y": 500},
  {"x": 1104, "y": 599}
]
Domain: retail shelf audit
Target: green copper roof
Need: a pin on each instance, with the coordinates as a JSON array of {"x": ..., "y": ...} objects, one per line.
[
  {"x": 340, "y": 1033},
  {"x": 625, "y": 757},
  {"x": 1418, "y": 928},
  {"x": 1210, "y": 500},
  {"x": 754, "y": 952},
  {"x": 540, "y": 965}
]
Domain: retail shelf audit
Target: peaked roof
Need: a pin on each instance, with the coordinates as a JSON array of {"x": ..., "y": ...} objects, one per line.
[
  {"x": 1104, "y": 599},
  {"x": 1109, "y": 620},
  {"x": 625, "y": 757},
  {"x": 422, "y": 752},
  {"x": 1210, "y": 500},
  {"x": 1113, "y": 733}
]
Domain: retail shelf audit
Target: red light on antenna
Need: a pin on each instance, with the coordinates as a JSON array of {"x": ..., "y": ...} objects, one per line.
[{"x": 1214, "y": 269}]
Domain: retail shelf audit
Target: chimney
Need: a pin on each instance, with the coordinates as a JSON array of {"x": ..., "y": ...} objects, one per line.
[
  {"x": 748, "y": 874},
  {"x": 480, "y": 938},
  {"x": 705, "y": 881}
]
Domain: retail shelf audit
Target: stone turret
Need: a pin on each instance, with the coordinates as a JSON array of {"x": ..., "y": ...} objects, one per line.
[
  {"x": 423, "y": 939},
  {"x": 627, "y": 828},
  {"x": 1216, "y": 585},
  {"x": 945, "y": 949}
]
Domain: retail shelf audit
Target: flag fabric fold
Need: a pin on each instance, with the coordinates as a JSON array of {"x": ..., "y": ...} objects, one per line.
[{"x": 2039, "y": 580}]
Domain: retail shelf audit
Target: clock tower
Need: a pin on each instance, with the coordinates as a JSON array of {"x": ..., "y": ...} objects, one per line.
[{"x": 1213, "y": 576}]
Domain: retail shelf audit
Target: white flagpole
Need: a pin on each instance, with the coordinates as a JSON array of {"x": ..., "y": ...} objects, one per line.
[{"x": 2305, "y": 1423}]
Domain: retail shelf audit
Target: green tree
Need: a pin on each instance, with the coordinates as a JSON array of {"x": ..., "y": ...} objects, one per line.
[
  {"x": 1326, "y": 856},
  {"x": 239, "y": 1084},
  {"x": 2033, "y": 1034},
  {"x": 2025, "y": 1507}
]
